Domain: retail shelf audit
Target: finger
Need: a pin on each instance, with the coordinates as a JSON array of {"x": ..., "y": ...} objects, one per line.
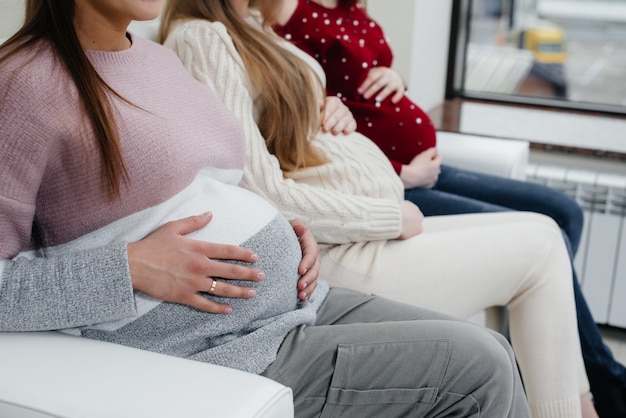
[
  {"x": 297, "y": 225},
  {"x": 368, "y": 88},
  {"x": 329, "y": 123},
  {"x": 230, "y": 271},
  {"x": 309, "y": 277},
  {"x": 207, "y": 305},
  {"x": 378, "y": 80},
  {"x": 299, "y": 228},
  {"x": 188, "y": 225},
  {"x": 309, "y": 257},
  {"x": 306, "y": 293},
  {"x": 228, "y": 252},
  {"x": 372, "y": 75},
  {"x": 341, "y": 125},
  {"x": 393, "y": 87},
  {"x": 350, "y": 128},
  {"x": 365, "y": 84},
  {"x": 383, "y": 93},
  {"x": 374, "y": 88},
  {"x": 228, "y": 290},
  {"x": 399, "y": 94}
]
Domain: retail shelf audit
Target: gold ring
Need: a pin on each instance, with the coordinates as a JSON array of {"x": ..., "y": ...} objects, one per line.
[{"x": 213, "y": 286}]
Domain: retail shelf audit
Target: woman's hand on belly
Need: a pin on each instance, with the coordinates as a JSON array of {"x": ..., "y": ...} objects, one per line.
[
  {"x": 309, "y": 268},
  {"x": 171, "y": 267}
]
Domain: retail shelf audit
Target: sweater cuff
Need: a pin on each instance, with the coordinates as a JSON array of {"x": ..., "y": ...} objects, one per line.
[
  {"x": 77, "y": 289},
  {"x": 383, "y": 222}
]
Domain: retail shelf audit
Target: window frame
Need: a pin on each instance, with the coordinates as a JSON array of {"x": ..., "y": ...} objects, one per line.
[{"x": 460, "y": 26}]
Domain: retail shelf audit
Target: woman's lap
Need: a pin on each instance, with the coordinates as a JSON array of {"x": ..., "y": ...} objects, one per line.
[
  {"x": 382, "y": 346},
  {"x": 460, "y": 191},
  {"x": 461, "y": 265}
]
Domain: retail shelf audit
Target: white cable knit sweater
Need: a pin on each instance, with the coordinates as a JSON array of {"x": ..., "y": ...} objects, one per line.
[{"x": 353, "y": 198}]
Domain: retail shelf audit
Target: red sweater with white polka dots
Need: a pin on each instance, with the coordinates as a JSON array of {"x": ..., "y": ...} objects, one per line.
[{"x": 347, "y": 43}]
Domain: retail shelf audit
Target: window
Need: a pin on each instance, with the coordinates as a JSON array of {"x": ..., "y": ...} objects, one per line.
[{"x": 561, "y": 53}]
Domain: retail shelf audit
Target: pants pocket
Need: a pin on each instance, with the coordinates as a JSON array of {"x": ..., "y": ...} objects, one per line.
[{"x": 399, "y": 378}]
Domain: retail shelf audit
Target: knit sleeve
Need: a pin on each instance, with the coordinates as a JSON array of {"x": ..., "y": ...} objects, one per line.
[
  {"x": 79, "y": 289},
  {"x": 334, "y": 217}
]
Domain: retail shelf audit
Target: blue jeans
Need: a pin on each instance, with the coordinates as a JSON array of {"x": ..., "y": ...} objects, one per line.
[{"x": 460, "y": 191}]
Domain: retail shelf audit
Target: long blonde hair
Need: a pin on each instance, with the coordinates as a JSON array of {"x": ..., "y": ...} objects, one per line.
[{"x": 289, "y": 89}]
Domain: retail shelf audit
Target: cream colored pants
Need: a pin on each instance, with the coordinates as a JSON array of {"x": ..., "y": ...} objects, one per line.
[{"x": 463, "y": 264}]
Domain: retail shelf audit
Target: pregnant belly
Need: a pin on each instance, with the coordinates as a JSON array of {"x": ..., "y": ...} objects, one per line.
[
  {"x": 182, "y": 330},
  {"x": 279, "y": 256}
]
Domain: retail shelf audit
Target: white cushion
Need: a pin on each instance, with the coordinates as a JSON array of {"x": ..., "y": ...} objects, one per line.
[
  {"x": 49, "y": 374},
  {"x": 500, "y": 157}
]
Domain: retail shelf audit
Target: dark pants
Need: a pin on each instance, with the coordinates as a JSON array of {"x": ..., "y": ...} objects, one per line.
[{"x": 459, "y": 191}]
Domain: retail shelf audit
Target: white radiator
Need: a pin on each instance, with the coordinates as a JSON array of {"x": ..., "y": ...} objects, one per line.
[{"x": 601, "y": 259}]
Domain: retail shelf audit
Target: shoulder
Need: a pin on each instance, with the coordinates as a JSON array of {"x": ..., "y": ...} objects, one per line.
[
  {"x": 198, "y": 39},
  {"x": 32, "y": 65},
  {"x": 196, "y": 30},
  {"x": 31, "y": 79},
  {"x": 154, "y": 50}
]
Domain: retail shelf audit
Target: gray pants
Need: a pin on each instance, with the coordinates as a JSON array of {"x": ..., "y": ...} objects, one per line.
[{"x": 367, "y": 356}]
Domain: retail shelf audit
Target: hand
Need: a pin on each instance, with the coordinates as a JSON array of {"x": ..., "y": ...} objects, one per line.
[
  {"x": 337, "y": 117},
  {"x": 423, "y": 170},
  {"x": 309, "y": 267},
  {"x": 382, "y": 82},
  {"x": 169, "y": 266},
  {"x": 412, "y": 218}
]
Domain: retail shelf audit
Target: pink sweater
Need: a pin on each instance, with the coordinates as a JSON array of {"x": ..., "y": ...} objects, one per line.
[{"x": 51, "y": 172}]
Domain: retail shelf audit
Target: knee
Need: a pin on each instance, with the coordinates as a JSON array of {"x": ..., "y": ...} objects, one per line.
[
  {"x": 574, "y": 218},
  {"x": 485, "y": 347},
  {"x": 545, "y": 233},
  {"x": 541, "y": 219},
  {"x": 575, "y": 212},
  {"x": 485, "y": 358},
  {"x": 552, "y": 260}
]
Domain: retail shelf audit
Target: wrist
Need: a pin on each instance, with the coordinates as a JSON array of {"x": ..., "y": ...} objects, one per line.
[{"x": 407, "y": 176}]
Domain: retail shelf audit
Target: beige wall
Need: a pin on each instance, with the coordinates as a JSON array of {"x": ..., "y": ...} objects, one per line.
[
  {"x": 418, "y": 31},
  {"x": 11, "y": 17}
]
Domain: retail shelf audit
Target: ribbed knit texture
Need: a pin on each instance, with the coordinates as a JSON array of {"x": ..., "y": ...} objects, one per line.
[
  {"x": 569, "y": 408},
  {"x": 184, "y": 151},
  {"x": 51, "y": 171},
  {"x": 361, "y": 192}
]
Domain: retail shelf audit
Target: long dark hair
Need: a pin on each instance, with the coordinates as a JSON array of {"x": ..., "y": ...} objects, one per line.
[{"x": 52, "y": 21}]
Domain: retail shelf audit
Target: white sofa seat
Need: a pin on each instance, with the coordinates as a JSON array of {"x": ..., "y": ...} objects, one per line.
[{"x": 49, "y": 374}]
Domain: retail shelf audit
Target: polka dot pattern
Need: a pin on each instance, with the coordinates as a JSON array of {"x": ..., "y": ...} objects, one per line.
[{"x": 348, "y": 44}]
